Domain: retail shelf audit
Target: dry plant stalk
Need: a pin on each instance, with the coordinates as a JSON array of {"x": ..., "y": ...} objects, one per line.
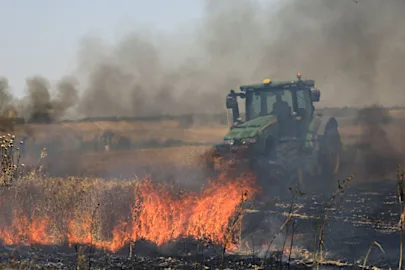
[
  {"x": 81, "y": 263},
  {"x": 93, "y": 231},
  {"x": 287, "y": 221},
  {"x": 11, "y": 153},
  {"x": 284, "y": 243},
  {"x": 205, "y": 243},
  {"x": 401, "y": 201},
  {"x": 374, "y": 244},
  {"x": 10, "y": 157},
  {"x": 318, "y": 254},
  {"x": 292, "y": 242},
  {"x": 233, "y": 226}
]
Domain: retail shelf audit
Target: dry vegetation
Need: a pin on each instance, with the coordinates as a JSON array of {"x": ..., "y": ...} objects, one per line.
[
  {"x": 150, "y": 141},
  {"x": 141, "y": 131},
  {"x": 183, "y": 156},
  {"x": 135, "y": 131},
  {"x": 66, "y": 140},
  {"x": 112, "y": 214}
]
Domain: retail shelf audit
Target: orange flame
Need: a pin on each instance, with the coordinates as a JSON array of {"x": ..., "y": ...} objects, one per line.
[{"x": 157, "y": 215}]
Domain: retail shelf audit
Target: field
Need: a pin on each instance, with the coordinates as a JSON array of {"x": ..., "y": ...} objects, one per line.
[{"x": 156, "y": 203}]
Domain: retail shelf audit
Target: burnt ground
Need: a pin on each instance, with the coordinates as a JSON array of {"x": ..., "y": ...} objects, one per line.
[
  {"x": 363, "y": 214},
  {"x": 356, "y": 218}
]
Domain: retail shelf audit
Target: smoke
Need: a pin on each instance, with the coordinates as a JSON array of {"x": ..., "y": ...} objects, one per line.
[
  {"x": 39, "y": 98},
  {"x": 67, "y": 96},
  {"x": 133, "y": 78},
  {"x": 44, "y": 104},
  {"x": 376, "y": 153},
  {"x": 352, "y": 49},
  {"x": 5, "y": 95}
]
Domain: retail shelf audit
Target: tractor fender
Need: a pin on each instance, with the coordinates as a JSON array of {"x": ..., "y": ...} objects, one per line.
[
  {"x": 321, "y": 123},
  {"x": 330, "y": 123},
  {"x": 324, "y": 152},
  {"x": 317, "y": 128}
]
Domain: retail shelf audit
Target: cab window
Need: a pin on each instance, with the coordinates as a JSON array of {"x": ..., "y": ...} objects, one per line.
[
  {"x": 304, "y": 103},
  {"x": 268, "y": 99}
]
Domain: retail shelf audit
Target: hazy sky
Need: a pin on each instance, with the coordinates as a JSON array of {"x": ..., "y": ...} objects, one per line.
[
  {"x": 351, "y": 49},
  {"x": 41, "y": 37}
]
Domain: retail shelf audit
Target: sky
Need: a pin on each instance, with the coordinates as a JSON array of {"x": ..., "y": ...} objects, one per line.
[
  {"x": 41, "y": 37},
  {"x": 349, "y": 52}
]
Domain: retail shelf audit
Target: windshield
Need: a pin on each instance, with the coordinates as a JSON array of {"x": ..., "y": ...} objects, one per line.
[{"x": 264, "y": 103}]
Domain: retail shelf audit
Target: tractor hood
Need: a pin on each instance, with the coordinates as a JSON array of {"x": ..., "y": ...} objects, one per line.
[{"x": 250, "y": 128}]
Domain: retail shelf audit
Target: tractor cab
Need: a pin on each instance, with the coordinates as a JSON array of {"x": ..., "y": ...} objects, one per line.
[
  {"x": 291, "y": 102},
  {"x": 280, "y": 138}
]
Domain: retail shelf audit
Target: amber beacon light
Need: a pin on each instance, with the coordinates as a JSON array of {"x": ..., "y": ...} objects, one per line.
[{"x": 266, "y": 81}]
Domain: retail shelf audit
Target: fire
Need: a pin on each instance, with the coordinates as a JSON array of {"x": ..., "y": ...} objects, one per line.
[
  {"x": 155, "y": 213},
  {"x": 26, "y": 232}
]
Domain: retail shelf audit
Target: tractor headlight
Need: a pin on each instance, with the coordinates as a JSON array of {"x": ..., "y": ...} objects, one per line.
[
  {"x": 249, "y": 140},
  {"x": 230, "y": 141}
]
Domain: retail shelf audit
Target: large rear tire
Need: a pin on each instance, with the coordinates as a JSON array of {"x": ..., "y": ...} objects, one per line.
[
  {"x": 279, "y": 169},
  {"x": 330, "y": 154},
  {"x": 272, "y": 178}
]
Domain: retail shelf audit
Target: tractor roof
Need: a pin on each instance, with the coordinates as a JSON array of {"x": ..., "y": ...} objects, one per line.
[{"x": 269, "y": 85}]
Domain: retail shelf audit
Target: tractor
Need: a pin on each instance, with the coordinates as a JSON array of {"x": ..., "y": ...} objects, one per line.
[{"x": 281, "y": 139}]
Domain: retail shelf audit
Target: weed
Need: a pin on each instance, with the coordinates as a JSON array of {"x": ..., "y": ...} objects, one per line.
[
  {"x": 318, "y": 256},
  {"x": 234, "y": 225},
  {"x": 401, "y": 201},
  {"x": 9, "y": 160},
  {"x": 294, "y": 193},
  {"x": 374, "y": 244}
]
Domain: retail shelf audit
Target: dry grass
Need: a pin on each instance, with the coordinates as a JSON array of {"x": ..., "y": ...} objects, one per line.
[
  {"x": 141, "y": 132},
  {"x": 168, "y": 130},
  {"x": 172, "y": 130},
  {"x": 162, "y": 163},
  {"x": 32, "y": 202},
  {"x": 109, "y": 214},
  {"x": 75, "y": 198},
  {"x": 135, "y": 131},
  {"x": 399, "y": 114},
  {"x": 184, "y": 156}
]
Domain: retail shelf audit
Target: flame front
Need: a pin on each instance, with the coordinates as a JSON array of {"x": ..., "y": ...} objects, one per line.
[{"x": 111, "y": 214}]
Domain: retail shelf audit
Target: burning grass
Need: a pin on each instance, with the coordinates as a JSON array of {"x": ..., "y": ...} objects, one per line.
[{"x": 111, "y": 214}]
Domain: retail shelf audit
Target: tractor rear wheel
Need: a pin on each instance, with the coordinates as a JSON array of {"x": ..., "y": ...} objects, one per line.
[
  {"x": 330, "y": 154},
  {"x": 279, "y": 170},
  {"x": 273, "y": 178}
]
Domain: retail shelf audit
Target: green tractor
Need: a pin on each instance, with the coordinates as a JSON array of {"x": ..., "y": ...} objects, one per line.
[{"x": 282, "y": 139}]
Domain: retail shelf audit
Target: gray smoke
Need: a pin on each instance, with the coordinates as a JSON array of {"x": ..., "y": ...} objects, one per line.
[
  {"x": 379, "y": 154},
  {"x": 354, "y": 51},
  {"x": 42, "y": 103},
  {"x": 5, "y": 95},
  {"x": 38, "y": 96},
  {"x": 66, "y": 97},
  {"x": 135, "y": 78}
]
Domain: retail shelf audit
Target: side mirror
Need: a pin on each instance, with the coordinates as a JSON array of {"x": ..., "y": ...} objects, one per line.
[
  {"x": 231, "y": 101},
  {"x": 315, "y": 95}
]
